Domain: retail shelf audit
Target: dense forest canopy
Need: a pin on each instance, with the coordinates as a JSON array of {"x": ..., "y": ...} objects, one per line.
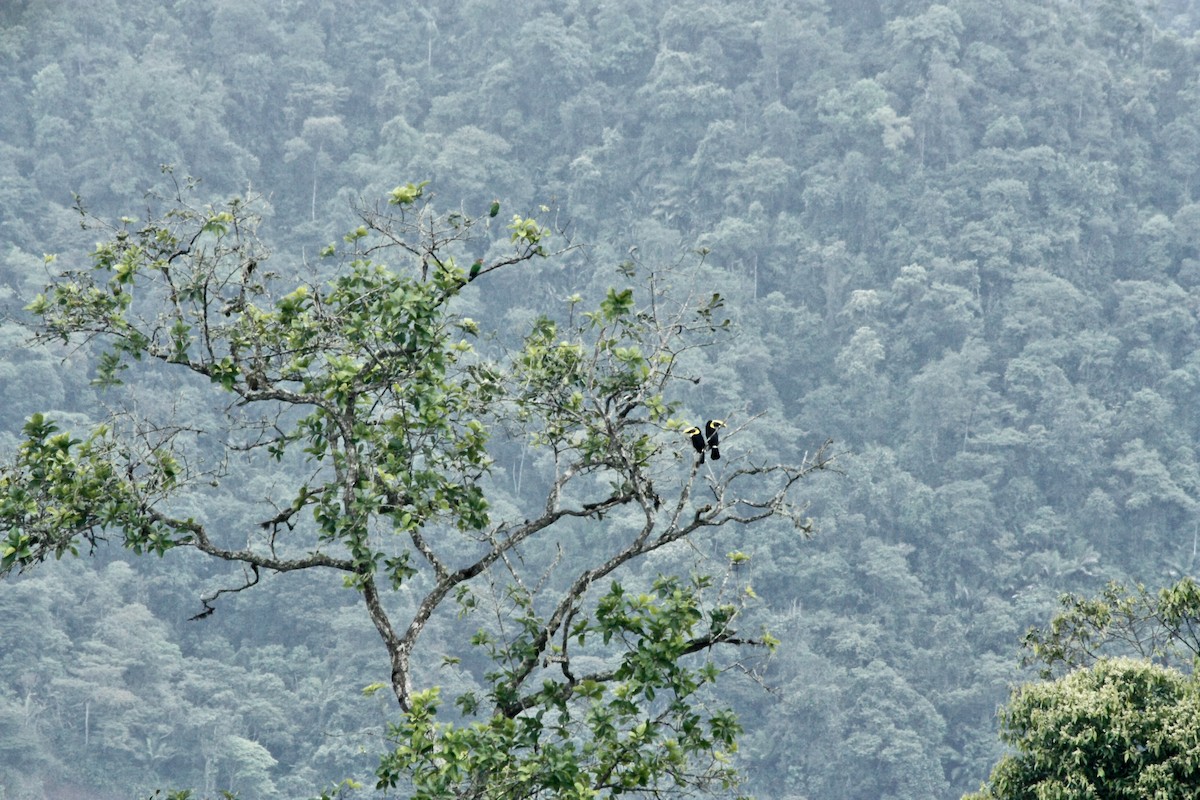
[{"x": 962, "y": 239}]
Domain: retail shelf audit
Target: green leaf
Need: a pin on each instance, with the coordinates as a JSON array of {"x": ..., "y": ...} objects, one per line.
[
  {"x": 616, "y": 305},
  {"x": 407, "y": 194},
  {"x": 218, "y": 223}
]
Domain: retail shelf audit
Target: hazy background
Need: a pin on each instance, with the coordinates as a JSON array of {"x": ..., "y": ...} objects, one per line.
[{"x": 961, "y": 239}]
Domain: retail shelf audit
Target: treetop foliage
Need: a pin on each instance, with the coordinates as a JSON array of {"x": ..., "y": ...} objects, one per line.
[
  {"x": 1120, "y": 720},
  {"x": 367, "y": 391},
  {"x": 1123, "y": 728}
]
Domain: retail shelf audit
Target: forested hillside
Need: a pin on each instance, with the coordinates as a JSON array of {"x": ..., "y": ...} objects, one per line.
[{"x": 961, "y": 239}]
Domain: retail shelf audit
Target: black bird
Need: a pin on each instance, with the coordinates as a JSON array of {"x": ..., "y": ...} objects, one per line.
[
  {"x": 710, "y": 432},
  {"x": 706, "y": 440},
  {"x": 698, "y": 441}
]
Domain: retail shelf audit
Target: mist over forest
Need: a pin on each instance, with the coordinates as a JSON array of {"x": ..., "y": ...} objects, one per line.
[{"x": 961, "y": 240}]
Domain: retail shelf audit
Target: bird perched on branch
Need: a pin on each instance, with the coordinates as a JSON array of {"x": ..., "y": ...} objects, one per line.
[
  {"x": 710, "y": 432},
  {"x": 697, "y": 440},
  {"x": 706, "y": 441}
]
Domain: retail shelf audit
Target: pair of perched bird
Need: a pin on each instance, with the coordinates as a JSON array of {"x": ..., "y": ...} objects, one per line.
[{"x": 706, "y": 441}]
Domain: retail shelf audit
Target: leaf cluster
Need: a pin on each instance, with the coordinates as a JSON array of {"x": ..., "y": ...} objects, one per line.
[
  {"x": 1122, "y": 728},
  {"x": 637, "y": 727}
]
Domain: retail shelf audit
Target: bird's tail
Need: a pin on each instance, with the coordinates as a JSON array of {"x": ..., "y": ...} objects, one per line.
[{"x": 716, "y": 454}]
